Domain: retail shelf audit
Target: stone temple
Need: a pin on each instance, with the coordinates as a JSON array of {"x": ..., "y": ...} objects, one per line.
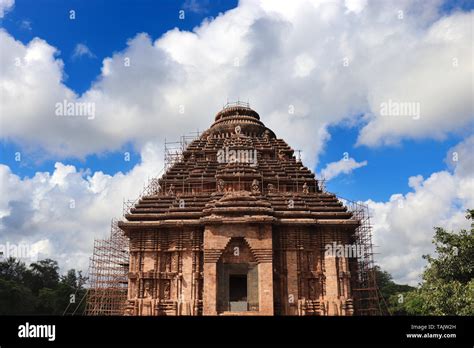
[{"x": 238, "y": 225}]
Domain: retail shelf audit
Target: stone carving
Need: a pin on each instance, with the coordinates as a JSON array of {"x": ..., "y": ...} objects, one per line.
[
  {"x": 155, "y": 187},
  {"x": 281, "y": 155},
  {"x": 312, "y": 288},
  {"x": 147, "y": 289},
  {"x": 220, "y": 185},
  {"x": 166, "y": 289},
  {"x": 168, "y": 262},
  {"x": 205, "y": 135},
  {"x": 266, "y": 135},
  {"x": 255, "y": 186},
  {"x": 174, "y": 263},
  {"x": 175, "y": 254},
  {"x": 305, "y": 188}
]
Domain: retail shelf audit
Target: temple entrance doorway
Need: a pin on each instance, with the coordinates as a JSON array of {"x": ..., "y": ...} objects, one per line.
[
  {"x": 238, "y": 293},
  {"x": 237, "y": 278}
]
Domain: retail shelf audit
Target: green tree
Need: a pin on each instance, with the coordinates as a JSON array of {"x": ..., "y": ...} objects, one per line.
[
  {"x": 48, "y": 302},
  {"x": 70, "y": 291},
  {"x": 448, "y": 280},
  {"x": 13, "y": 269},
  {"x": 39, "y": 289},
  {"x": 392, "y": 294},
  {"x": 44, "y": 274},
  {"x": 64, "y": 297},
  {"x": 15, "y": 298}
]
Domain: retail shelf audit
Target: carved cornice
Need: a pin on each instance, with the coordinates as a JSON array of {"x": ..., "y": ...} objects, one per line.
[
  {"x": 212, "y": 255},
  {"x": 262, "y": 255}
]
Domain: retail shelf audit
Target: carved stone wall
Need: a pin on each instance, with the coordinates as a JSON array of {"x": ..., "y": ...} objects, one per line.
[
  {"x": 220, "y": 242},
  {"x": 165, "y": 276},
  {"x": 306, "y": 280},
  {"x": 267, "y": 203}
]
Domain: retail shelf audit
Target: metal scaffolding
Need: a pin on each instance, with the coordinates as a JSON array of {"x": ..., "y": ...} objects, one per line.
[
  {"x": 173, "y": 154},
  {"x": 108, "y": 274},
  {"x": 109, "y": 265},
  {"x": 365, "y": 290},
  {"x": 174, "y": 149}
]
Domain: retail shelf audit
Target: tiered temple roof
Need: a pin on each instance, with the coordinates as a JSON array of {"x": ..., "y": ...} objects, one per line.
[{"x": 237, "y": 170}]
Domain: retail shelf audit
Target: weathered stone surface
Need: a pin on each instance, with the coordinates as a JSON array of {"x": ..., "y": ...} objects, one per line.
[{"x": 231, "y": 226}]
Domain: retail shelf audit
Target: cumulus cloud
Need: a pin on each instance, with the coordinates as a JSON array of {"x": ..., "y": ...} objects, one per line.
[
  {"x": 5, "y": 6},
  {"x": 303, "y": 65},
  {"x": 343, "y": 166},
  {"x": 353, "y": 64},
  {"x": 59, "y": 214},
  {"x": 447, "y": 46},
  {"x": 355, "y": 5},
  {"x": 403, "y": 226}
]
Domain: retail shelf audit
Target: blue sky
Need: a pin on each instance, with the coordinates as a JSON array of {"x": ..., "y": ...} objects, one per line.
[
  {"x": 105, "y": 29},
  {"x": 425, "y": 56},
  {"x": 388, "y": 168}
]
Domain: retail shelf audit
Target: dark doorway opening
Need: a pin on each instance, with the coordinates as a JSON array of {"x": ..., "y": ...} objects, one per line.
[{"x": 237, "y": 288}]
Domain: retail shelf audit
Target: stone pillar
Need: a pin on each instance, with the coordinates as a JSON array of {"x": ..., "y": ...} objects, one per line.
[
  {"x": 345, "y": 277},
  {"x": 347, "y": 306},
  {"x": 265, "y": 288},
  {"x": 291, "y": 300},
  {"x": 332, "y": 285},
  {"x": 210, "y": 281},
  {"x": 262, "y": 249},
  {"x": 210, "y": 290},
  {"x": 186, "y": 281}
]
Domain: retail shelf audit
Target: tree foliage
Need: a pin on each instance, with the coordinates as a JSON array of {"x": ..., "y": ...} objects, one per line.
[
  {"x": 448, "y": 280},
  {"x": 392, "y": 294},
  {"x": 39, "y": 288},
  {"x": 447, "y": 286}
]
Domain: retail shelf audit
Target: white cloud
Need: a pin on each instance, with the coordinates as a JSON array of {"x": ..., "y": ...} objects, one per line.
[
  {"x": 435, "y": 73},
  {"x": 37, "y": 210},
  {"x": 195, "y": 6},
  {"x": 5, "y": 6},
  {"x": 343, "y": 166},
  {"x": 351, "y": 64},
  {"x": 325, "y": 60},
  {"x": 304, "y": 64},
  {"x": 82, "y": 50},
  {"x": 58, "y": 215},
  {"x": 26, "y": 25},
  {"x": 403, "y": 227},
  {"x": 355, "y": 5}
]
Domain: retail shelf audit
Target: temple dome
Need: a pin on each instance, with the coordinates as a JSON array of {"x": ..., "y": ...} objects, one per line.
[
  {"x": 236, "y": 109},
  {"x": 238, "y": 117}
]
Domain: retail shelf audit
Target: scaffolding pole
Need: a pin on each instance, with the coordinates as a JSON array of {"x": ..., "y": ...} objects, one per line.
[
  {"x": 109, "y": 264},
  {"x": 108, "y": 274},
  {"x": 365, "y": 290}
]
